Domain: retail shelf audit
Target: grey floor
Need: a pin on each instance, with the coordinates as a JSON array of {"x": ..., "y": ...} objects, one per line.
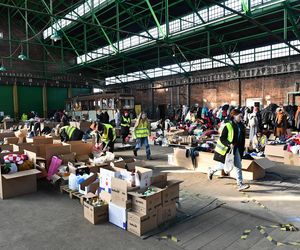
[{"x": 211, "y": 215}]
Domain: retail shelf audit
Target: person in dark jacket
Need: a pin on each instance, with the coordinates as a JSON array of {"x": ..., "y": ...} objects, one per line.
[
  {"x": 125, "y": 126},
  {"x": 107, "y": 133},
  {"x": 232, "y": 137},
  {"x": 70, "y": 133}
]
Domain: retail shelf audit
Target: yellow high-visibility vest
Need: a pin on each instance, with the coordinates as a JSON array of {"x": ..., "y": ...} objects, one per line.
[
  {"x": 104, "y": 136},
  {"x": 220, "y": 147},
  {"x": 142, "y": 130},
  {"x": 126, "y": 122}
]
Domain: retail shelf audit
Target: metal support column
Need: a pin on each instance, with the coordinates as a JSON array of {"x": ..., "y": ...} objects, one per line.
[
  {"x": 285, "y": 23},
  {"x": 15, "y": 100},
  {"x": 70, "y": 91},
  {"x": 240, "y": 88},
  {"x": 188, "y": 94},
  {"x": 26, "y": 30},
  {"x": 167, "y": 18},
  {"x": 45, "y": 101},
  {"x": 152, "y": 100},
  {"x": 9, "y": 37}
]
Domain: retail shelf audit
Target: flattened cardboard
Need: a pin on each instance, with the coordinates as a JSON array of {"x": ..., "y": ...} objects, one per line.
[
  {"x": 181, "y": 160},
  {"x": 275, "y": 158},
  {"x": 140, "y": 224},
  {"x": 274, "y": 150},
  {"x": 291, "y": 159},
  {"x": 159, "y": 180},
  {"x": 95, "y": 215}
]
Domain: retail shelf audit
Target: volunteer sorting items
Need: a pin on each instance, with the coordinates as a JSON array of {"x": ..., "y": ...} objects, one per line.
[
  {"x": 260, "y": 141},
  {"x": 108, "y": 135},
  {"x": 70, "y": 133},
  {"x": 232, "y": 137}
]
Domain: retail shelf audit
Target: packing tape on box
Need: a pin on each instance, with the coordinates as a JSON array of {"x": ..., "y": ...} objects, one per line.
[{"x": 283, "y": 227}]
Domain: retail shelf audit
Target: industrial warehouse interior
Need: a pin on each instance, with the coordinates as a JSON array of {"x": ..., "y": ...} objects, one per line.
[{"x": 151, "y": 124}]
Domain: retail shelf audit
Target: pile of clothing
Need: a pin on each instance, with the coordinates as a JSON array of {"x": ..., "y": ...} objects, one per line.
[{"x": 13, "y": 163}]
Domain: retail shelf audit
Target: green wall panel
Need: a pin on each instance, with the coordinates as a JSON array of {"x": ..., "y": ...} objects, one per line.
[
  {"x": 30, "y": 98},
  {"x": 56, "y": 98},
  {"x": 6, "y": 100},
  {"x": 80, "y": 91}
]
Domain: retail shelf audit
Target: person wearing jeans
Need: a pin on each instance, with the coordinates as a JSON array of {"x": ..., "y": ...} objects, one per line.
[
  {"x": 232, "y": 137},
  {"x": 142, "y": 131}
]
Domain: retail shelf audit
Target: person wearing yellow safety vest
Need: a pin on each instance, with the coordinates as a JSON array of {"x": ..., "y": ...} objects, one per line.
[
  {"x": 259, "y": 142},
  {"x": 142, "y": 131},
  {"x": 232, "y": 137},
  {"x": 70, "y": 133},
  {"x": 108, "y": 135},
  {"x": 125, "y": 126}
]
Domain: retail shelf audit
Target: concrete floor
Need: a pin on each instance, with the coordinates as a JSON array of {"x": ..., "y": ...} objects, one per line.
[{"x": 214, "y": 215}]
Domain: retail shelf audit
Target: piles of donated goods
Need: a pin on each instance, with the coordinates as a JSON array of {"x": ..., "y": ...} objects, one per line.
[{"x": 130, "y": 197}]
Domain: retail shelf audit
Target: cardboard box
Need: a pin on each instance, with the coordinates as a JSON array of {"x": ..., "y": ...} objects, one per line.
[
  {"x": 7, "y": 147},
  {"x": 169, "y": 211},
  {"x": 145, "y": 204},
  {"x": 144, "y": 175},
  {"x": 159, "y": 215},
  {"x": 24, "y": 146},
  {"x": 95, "y": 215},
  {"x": 275, "y": 159},
  {"x": 181, "y": 160},
  {"x": 159, "y": 180},
  {"x": 118, "y": 164},
  {"x": 140, "y": 224},
  {"x": 119, "y": 192},
  {"x": 274, "y": 150},
  {"x": 254, "y": 169},
  {"x": 11, "y": 140},
  {"x": 70, "y": 157},
  {"x": 90, "y": 185},
  {"x": 40, "y": 140},
  {"x": 19, "y": 183},
  {"x": 106, "y": 174},
  {"x": 7, "y": 133},
  {"x": 54, "y": 150},
  {"x": 80, "y": 148},
  {"x": 117, "y": 215},
  {"x": 105, "y": 196},
  {"x": 206, "y": 161},
  {"x": 291, "y": 159},
  {"x": 170, "y": 192}
]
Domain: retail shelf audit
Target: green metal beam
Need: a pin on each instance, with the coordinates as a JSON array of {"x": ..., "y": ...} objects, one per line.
[
  {"x": 259, "y": 25},
  {"x": 155, "y": 19},
  {"x": 292, "y": 19}
]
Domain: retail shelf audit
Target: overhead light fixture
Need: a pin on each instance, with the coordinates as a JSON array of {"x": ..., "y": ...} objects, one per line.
[
  {"x": 22, "y": 56},
  {"x": 2, "y": 68},
  {"x": 55, "y": 36}
]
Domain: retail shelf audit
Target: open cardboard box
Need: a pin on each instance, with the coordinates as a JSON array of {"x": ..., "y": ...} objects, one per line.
[
  {"x": 95, "y": 215},
  {"x": 274, "y": 150},
  {"x": 40, "y": 140},
  {"x": 144, "y": 204},
  {"x": 5, "y": 134},
  {"x": 25, "y": 146},
  {"x": 254, "y": 169},
  {"x": 80, "y": 148},
  {"x": 90, "y": 185},
  {"x": 205, "y": 161},
  {"x": 8, "y": 147},
  {"x": 11, "y": 140},
  {"x": 19, "y": 183}
]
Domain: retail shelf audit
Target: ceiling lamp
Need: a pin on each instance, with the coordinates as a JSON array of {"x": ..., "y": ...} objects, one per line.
[
  {"x": 2, "y": 68},
  {"x": 22, "y": 56},
  {"x": 55, "y": 36}
]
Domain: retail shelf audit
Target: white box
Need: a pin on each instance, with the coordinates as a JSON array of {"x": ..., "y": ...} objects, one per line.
[
  {"x": 105, "y": 178},
  {"x": 117, "y": 215},
  {"x": 144, "y": 177}
]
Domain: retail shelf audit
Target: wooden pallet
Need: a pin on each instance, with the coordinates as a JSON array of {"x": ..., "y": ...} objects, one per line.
[{"x": 72, "y": 194}]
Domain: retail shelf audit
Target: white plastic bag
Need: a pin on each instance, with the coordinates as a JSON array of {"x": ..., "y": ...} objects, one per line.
[{"x": 229, "y": 162}]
